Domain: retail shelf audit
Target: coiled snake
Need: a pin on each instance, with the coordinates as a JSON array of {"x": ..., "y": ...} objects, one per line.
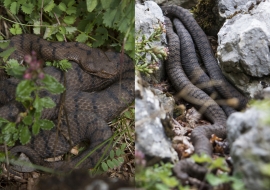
[
  {"x": 183, "y": 57},
  {"x": 99, "y": 87}
]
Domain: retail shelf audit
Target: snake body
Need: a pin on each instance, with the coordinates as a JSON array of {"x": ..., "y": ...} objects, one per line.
[
  {"x": 200, "y": 136},
  {"x": 95, "y": 94}
]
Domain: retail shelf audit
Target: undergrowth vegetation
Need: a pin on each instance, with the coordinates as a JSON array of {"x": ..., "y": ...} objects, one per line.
[{"x": 97, "y": 23}]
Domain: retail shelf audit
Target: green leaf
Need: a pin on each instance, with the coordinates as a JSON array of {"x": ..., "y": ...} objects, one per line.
[
  {"x": 52, "y": 84},
  {"x": 109, "y": 18},
  {"x": 217, "y": 180},
  {"x": 60, "y": 37},
  {"x": 28, "y": 120},
  {"x": 62, "y": 6},
  {"x": 71, "y": 10},
  {"x": 69, "y": 19},
  {"x": 120, "y": 159},
  {"x": 201, "y": 159},
  {"x": 25, "y": 135},
  {"x": 14, "y": 8},
  {"x": 123, "y": 146},
  {"x": 24, "y": 90},
  {"x": 36, "y": 28},
  {"x": 111, "y": 154},
  {"x": 101, "y": 36},
  {"x": 7, "y": 3},
  {"x": 82, "y": 37},
  {"x": 41, "y": 103},
  {"x": 128, "y": 114},
  {"x": 16, "y": 29},
  {"x": 27, "y": 8},
  {"x": 105, "y": 4},
  {"x": 35, "y": 128},
  {"x": 37, "y": 115},
  {"x": 13, "y": 68},
  {"x": 4, "y": 44},
  {"x": 9, "y": 128},
  {"x": 49, "y": 6},
  {"x": 70, "y": 3},
  {"x": 104, "y": 166},
  {"x": 118, "y": 152},
  {"x": 5, "y": 54},
  {"x": 70, "y": 29},
  {"x": 45, "y": 124},
  {"x": 91, "y": 5},
  {"x": 116, "y": 162},
  {"x": 110, "y": 164}
]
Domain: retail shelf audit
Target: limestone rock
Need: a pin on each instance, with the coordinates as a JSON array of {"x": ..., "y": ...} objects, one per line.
[
  {"x": 243, "y": 50},
  {"x": 230, "y": 7},
  {"x": 249, "y": 137},
  {"x": 150, "y": 136}
]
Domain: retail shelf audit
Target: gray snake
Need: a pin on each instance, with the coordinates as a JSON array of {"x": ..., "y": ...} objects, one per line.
[
  {"x": 200, "y": 135},
  {"x": 99, "y": 87}
]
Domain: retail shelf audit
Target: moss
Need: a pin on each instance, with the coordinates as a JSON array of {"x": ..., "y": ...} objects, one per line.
[{"x": 206, "y": 14}]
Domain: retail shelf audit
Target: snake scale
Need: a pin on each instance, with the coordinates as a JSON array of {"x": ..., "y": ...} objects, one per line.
[
  {"x": 182, "y": 67},
  {"x": 99, "y": 87}
]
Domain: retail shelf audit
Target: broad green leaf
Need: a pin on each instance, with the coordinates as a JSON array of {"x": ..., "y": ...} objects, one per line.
[
  {"x": 49, "y": 6},
  {"x": 71, "y": 10},
  {"x": 37, "y": 115},
  {"x": 111, "y": 154},
  {"x": 128, "y": 114},
  {"x": 82, "y": 37},
  {"x": 13, "y": 68},
  {"x": 28, "y": 120},
  {"x": 101, "y": 36},
  {"x": 60, "y": 37},
  {"x": 62, "y": 6},
  {"x": 123, "y": 146},
  {"x": 41, "y": 103},
  {"x": 116, "y": 162},
  {"x": 109, "y": 18},
  {"x": 70, "y": 29},
  {"x": 120, "y": 159},
  {"x": 70, "y": 3},
  {"x": 104, "y": 166},
  {"x": 110, "y": 164},
  {"x": 27, "y": 8},
  {"x": 4, "y": 44},
  {"x": 219, "y": 163},
  {"x": 201, "y": 159},
  {"x": 36, "y": 28},
  {"x": 69, "y": 19},
  {"x": 9, "y": 128},
  {"x": 16, "y": 29},
  {"x": 62, "y": 30},
  {"x": 53, "y": 85},
  {"x": 105, "y": 4},
  {"x": 118, "y": 152},
  {"x": 35, "y": 128},
  {"x": 14, "y": 8},
  {"x": 217, "y": 180},
  {"x": 45, "y": 124},
  {"x": 5, "y": 54},
  {"x": 7, "y": 3},
  {"x": 91, "y": 5},
  {"x": 24, "y": 90},
  {"x": 25, "y": 135}
]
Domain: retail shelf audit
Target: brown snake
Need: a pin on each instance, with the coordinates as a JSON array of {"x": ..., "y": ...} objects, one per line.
[{"x": 92, "y": 99}]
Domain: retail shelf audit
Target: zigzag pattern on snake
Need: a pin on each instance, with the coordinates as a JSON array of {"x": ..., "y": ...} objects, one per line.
[
  {"x": 99, "y": 87},
  {"x": 186, "y": 54}
]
